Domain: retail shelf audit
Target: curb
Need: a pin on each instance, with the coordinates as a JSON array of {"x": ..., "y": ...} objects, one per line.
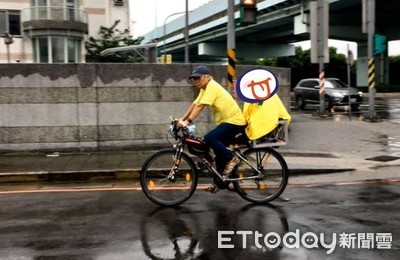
[
  {"x": 302, "y": 172},
  {"x": 62, "y": 176},
  {"x": 121, "y": 174}
]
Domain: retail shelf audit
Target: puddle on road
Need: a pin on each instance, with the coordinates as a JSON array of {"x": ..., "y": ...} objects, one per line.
[
  {"x": 390, "y": 145},
  {"x": 394, "y": 145}
]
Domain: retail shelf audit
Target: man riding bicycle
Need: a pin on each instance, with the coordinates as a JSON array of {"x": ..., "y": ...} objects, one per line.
[{"x": 227, "y": 115}]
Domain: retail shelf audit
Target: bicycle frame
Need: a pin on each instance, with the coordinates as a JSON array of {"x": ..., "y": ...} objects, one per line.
[
  {"x": 179, "y": 150},
  {"x": 223, "y": 178}
]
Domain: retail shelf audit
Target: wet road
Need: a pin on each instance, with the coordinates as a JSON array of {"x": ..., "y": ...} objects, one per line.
[
  {"x": 385, "y": 108},
  {"x": 106, "y": 224}
]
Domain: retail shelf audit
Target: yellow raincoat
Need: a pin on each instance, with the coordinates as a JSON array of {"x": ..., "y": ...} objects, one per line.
[{"x": 262, "y": 119}]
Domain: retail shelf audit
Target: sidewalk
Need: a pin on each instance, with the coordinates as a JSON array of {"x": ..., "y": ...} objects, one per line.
[
  {"x": 316, "y": 146},
  {"x": 127, "y": 165},
  {"x": 121, "y": 165},
  {"x": 71, "y": 166}
]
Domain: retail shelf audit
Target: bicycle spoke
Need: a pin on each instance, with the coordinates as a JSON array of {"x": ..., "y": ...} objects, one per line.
[
  {"x": 166, "y": 183},
  {"x": 270, "y": 183}
]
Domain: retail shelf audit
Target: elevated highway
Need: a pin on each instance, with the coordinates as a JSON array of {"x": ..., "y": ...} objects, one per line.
[{"x": 279, "y": 24}]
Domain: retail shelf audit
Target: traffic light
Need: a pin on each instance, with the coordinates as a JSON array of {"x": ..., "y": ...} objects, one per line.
[
  {"x": 379, "y": 44},
  {"x": 248, "y": 12}
]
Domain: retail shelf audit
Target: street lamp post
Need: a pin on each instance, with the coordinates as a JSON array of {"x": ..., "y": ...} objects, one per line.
[
  {"x": 231, "y": 49},
  {"x": 165, "y": 28},
  {"x": 187, "y": 32},
  {"x": 371, "y": 61},
  {"x": 8, "y": 39}
]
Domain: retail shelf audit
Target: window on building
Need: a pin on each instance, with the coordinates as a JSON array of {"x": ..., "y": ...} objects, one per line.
[
  {"x": 74, "y": 50},
  {"x": 55, "y": 9},
  {"x": 3, "y": 22},
  {"x": 10, "y": 21},
  {"x": 54, "y": 49},
  {"x": 38, "y": 2},
  {"x": 71, "y": 10},
  {"x": 57, "y": 49},
  {"x": 41, "y": 11},
  {"x": 41, "y": 50}
]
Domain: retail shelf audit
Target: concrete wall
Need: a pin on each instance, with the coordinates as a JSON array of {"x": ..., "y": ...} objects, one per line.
[{"x": 63, "y": 107}]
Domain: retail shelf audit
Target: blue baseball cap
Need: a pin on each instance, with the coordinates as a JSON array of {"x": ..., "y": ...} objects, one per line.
[{"x": 199, "y": 71}]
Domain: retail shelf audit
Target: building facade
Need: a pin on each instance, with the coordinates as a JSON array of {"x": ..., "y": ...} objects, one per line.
[{"x": 55, "y": 31}]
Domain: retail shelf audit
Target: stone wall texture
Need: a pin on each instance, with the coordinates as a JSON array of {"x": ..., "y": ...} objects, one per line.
[{"x": 84, "y": 107}]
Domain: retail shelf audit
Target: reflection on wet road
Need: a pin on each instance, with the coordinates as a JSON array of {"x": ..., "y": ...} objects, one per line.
[
  {"x": 125, "y": 225},
  {"x": 394, "y": 145},
  {"x": 183, "y": 231}
]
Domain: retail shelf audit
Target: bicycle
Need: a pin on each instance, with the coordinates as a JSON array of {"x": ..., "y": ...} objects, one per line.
[
  {"x": 170, "y": 176},
  {"x": 187, "y": 232}
]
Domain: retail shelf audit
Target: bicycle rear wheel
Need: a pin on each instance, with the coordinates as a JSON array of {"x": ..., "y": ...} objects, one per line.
[
  {"x": 275, "y": 174},
  {"x": 164, "y": 185}
]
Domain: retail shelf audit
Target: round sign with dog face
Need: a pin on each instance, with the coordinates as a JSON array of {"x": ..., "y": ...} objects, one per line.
[{"x": 256, "y": 85}]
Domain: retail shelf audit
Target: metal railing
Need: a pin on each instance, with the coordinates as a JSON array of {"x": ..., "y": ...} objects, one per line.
[{"x": 56, "y": 13}]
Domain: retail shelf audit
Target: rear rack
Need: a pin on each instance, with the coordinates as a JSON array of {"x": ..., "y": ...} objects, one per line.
[{"x": 277, "y": 137}]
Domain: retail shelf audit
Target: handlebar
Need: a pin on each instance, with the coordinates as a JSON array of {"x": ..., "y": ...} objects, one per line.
[{"x": 175, "y": 130}]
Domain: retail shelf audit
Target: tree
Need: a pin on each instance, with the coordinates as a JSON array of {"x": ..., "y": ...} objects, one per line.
[{"x": 110, "y": 38}]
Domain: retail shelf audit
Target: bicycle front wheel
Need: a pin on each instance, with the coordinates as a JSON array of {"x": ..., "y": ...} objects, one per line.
[
  {"x": 165, "y": 185},
  {"x": 273, "y": 180}
]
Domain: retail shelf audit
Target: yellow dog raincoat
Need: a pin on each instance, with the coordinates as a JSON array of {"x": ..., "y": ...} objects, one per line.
[{"x": 263, "y": 117}]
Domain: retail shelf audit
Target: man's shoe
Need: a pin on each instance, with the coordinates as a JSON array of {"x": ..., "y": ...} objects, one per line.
[
  {"x": 231, "y": 165},
  {"x": 212, "y": 188}
]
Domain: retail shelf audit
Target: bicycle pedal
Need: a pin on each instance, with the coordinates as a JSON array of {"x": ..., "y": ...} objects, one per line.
[
  {"x": 231, "y": 188},
  {"x": 212, "y": 189}
]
